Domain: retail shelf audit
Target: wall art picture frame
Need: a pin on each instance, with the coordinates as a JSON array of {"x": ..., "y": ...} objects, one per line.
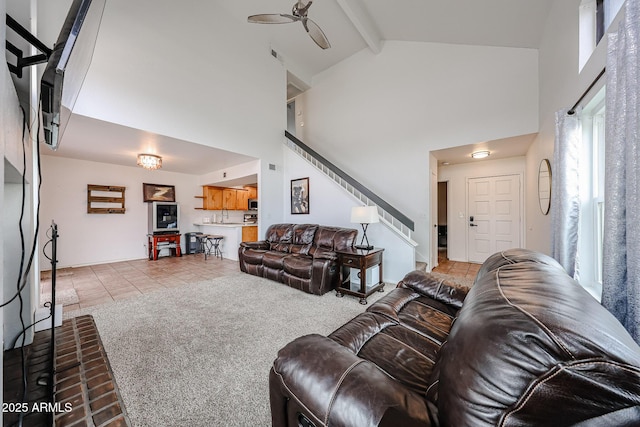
[
  {"x": 158, "y": 193},
  {"x": 300, "y": 196}
]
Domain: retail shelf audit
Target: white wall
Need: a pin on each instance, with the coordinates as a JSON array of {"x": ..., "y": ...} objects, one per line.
[
  {"x": 100, "y": 238},
  {"x": 11, "y": 168},
  {"x": 378, "y": 116},
  {"x": 456, "y": 177},
  {"x": 561, "y": 85},
  {"x": 330, "y": 205},
  {"x": 160, "y": 68}
]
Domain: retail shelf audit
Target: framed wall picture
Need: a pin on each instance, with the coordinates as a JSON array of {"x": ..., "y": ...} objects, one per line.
[
  {"x": 300, "y": 196},
  {"x": 158, "y": 193}
]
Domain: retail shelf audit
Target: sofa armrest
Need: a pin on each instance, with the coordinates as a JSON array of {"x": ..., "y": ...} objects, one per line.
[
  {"x": 439, "y": 289},
  {"x": 263, "y": 244},
  {"x": 330, "y": 385}
]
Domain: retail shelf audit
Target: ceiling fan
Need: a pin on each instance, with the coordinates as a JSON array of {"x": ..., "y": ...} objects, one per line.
[{"x": 298, "y": 13}]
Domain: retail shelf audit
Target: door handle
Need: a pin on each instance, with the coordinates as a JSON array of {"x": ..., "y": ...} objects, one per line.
[{"x": 473, "y": 225}]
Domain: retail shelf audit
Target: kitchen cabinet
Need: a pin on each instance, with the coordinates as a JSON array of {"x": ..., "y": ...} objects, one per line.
[
  {"x": 218, "y": 198},
  {"x": 250, "y": 233},
  {"x": 252, "y": 192},
  {"x": 213, "y": 198},
  {"x": 229, "y": 201},
  {"x": 242, "y": 200}
]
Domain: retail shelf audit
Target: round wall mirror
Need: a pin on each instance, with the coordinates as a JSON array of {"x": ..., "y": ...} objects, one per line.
[{"x": 544, "y": 186}]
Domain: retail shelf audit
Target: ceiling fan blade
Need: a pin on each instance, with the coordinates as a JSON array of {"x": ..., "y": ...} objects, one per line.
[
  {"x": 272, "y": 18},
  {"x": 316, "y": 33}
]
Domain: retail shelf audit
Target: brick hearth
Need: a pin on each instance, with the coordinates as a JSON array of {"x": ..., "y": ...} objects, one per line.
[{"x": 86, "y": 392}]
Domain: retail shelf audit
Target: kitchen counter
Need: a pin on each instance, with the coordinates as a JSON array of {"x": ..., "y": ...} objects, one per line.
[
  {"x": 232, "y": 232},
  {"x": 225, "y": 224}
]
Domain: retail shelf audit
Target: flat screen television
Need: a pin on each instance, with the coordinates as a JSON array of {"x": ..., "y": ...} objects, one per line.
[
  {"x": 67, "y": 67},
  {"x": 164, "y": 218}
]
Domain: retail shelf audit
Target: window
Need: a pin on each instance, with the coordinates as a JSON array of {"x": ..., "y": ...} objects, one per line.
[
  {"x": 598, "y": 188},
  {"x": 592, "y": 190},
  {"x": 595, "y": 17},
  {"x": 599, "y": 20}
]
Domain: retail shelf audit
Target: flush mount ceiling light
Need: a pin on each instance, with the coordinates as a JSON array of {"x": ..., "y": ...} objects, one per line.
[
  {"x": 149, "y": 161},
  {"x": 480, "y": 154}
]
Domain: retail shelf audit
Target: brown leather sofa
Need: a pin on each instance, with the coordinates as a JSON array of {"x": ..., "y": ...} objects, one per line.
[
  {"x": 527, "y": 346},
  {"x": 299, "y": 255}
]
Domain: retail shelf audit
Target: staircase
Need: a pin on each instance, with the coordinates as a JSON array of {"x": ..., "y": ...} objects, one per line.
[{"x": 390, "y": 216}]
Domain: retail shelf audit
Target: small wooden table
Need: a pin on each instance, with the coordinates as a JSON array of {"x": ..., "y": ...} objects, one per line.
[
  {"x": 361, "y": 259},
  {"x": 157, "y": 242}
]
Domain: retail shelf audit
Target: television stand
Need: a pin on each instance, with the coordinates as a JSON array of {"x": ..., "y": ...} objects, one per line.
[{"x": 157, "y": 242}]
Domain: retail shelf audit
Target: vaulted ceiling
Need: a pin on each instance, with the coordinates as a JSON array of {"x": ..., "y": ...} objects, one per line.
[{"x": 349, "y": 25}]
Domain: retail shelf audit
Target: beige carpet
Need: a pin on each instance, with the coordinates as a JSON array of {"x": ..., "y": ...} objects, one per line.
[{"x": 200, "y": 355}]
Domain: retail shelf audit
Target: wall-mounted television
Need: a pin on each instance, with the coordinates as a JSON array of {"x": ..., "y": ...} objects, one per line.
[
  {"x": 67, "y": 67},
  {"x": 164, "y": 218}
]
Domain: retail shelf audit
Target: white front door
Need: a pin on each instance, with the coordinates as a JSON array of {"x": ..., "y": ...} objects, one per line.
[{"x": 494, "y": 215}]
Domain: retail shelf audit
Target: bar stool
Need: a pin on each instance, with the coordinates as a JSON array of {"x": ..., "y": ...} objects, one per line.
[{"x": 211, "y": 245}]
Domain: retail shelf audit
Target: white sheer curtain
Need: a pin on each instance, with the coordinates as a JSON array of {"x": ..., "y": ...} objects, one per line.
[
  {"x": 621, "y": 266},
  {"x": 565, "y": 191}
]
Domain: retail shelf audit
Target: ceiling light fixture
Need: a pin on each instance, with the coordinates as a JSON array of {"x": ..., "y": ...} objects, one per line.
[
  {"x": 149, "y": 161},
  {"x": 480, "y": 154}
]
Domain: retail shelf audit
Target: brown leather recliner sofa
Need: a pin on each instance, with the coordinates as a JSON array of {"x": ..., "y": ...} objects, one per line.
[
  {"x": 299, "y": 255},
  {"x": 526, "y": 346}
]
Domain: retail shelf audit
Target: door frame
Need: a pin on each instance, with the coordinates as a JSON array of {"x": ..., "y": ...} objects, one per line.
[
  {"x": 521, "y": 186},
  {"x": 433, "y": 220}
]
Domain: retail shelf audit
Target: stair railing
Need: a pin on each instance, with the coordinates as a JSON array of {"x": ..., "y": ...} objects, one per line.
[{"x": 388, "y": 214}]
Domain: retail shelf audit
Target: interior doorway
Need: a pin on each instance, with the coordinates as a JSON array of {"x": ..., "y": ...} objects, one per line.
[
  {"x": 442, "y": 219},
  {"x": 291, "y": 117}
]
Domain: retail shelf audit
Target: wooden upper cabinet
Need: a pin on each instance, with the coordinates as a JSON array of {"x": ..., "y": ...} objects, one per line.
[
  {"x": 218, "y": 198},
  {"x": 252, "y": 192},
  {"x": 213, "y": 198},
  {"x": 229, "y": 198},
  {"x": 242, "y": 200}
]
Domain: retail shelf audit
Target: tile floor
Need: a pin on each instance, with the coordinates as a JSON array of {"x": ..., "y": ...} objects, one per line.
[
  {"x": 455, "y": 268},
  {"x": 103, "y": 283}
]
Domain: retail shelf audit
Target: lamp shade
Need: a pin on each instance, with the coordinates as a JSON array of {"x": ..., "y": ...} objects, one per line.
[{"x": 364, "y": 214}]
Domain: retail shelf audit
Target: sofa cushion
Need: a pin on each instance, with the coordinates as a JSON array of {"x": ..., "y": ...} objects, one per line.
[
  {"x": 273, "y": 259},
  {"x": 302, "y": 240},
  {"x": 401, "y": 334},
  {"x": 298, "y": 265},
  {"x": 279, "y": 237},
  {"x": 334, "y": 238}
]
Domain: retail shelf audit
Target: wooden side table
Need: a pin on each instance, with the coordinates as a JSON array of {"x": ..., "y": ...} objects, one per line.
[
  {"x": 360, "y": 259},
  {"x": 157, "y": 242}
]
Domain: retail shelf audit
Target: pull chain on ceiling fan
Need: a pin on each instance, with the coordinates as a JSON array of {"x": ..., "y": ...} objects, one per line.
[{"x": 298, "y": 13}]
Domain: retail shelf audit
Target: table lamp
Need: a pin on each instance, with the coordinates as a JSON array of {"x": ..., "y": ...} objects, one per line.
[{"x": 364, "y": 215}]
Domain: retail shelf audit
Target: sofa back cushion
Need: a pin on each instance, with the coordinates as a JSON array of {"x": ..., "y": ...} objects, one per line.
[
  {"x": 532, "y": 347},
  {"x": 334, "y": 238},
  {"x": 279, "y": 237},
  {"x": 302, "y": 240}
]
